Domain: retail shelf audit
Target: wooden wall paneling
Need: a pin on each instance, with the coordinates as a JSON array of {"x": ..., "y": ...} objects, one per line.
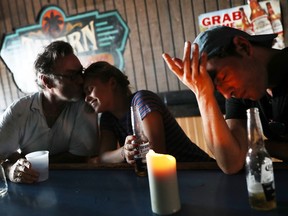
[
  {"x": 109, "y": 5},
  {"x": 100, "y": 5},
  {"x": 36, "y": 7},
  {"x": 13, "y": 14},
  {"x": 146, "y": 45},
  {"x": 30, "y": 12},
  {"x": 210, "y": 6},
  {"x": 6, "y": 16},
  {"x": 89, "y": 4},
  {"x": 63, "y": 5},
  {"x": 166, "y": 38},
  {"x": 43, "y": 3},
  {"x": 188, "y": 18},
  {"x": 236, "y": 3},
  {"x": 80, "y": 6},
  {"x": 136, "y": 53},
  {"x": 193, "y": 128},
  {"x": 53, "y": 2},
  {"x": 3, "y": 96},
  {"x": 178, "y": 38},
  {"x": 128, "y": 69},
  {"x": 21, "y": 13},
  {"x": 198, "y": 8},
  {"x": 157, "y": 67},
  {"x": 71, "y": 6}
]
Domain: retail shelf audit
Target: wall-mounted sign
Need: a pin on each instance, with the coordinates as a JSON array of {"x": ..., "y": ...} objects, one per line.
[
  {"x": 94, "y": 36},
  {"x": 256, "y": 18}
]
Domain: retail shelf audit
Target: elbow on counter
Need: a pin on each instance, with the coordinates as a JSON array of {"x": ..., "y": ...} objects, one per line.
[{"x": 231, "y": 169}]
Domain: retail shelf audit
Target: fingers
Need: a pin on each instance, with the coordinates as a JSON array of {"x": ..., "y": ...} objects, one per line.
[
  {"x": 175, "y": 65},
  {"x": 187, "y": 60},
  {"x": 130, "y": 149},
  {"x": 22, "y": 172},
  {"x": 203, "y": 63}
]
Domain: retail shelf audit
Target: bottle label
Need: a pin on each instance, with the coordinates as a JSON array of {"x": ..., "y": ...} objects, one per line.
[
  {"x": 267, "y": 171},
  {"x": 277, "y": 26},
  {"x": 264, "y": 184},
  {"x": 262, "y": 25},
  {"x": 142, "y": 149}
]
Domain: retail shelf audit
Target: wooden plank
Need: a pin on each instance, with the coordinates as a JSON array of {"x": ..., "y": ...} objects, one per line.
[
  {"x": 31, "y": 16},
  {"x": 80, "y": 6},
  {"x": 146, "y": 46},
  {"x": 89, "y": 5},
  {"x": 158, "y": 64}
]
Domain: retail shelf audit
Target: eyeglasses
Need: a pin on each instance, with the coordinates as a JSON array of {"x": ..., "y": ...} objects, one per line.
[{"x": 73, "y": 76}]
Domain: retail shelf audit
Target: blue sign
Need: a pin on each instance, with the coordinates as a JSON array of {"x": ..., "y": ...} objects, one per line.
[{"x": 94, "y": 36}]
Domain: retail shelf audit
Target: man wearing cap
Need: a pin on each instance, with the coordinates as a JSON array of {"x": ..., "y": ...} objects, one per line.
[{"x": 249, "y": 73}]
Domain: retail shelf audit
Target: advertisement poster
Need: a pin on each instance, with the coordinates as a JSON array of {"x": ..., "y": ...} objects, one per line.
[{"x": 255, "y": 18}]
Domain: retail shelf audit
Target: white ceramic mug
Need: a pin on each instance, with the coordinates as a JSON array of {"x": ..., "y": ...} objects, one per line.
[{"x": 40, "y": 162}]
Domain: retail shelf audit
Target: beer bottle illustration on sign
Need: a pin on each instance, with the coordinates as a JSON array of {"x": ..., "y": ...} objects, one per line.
[
  {"x": 276, "y": 26},
  {"x": 259, "y": 18},
  {"x": 246, "y": 25},
  {"x": 141, "y": 141},
  {"x": 259, "y": 166}
]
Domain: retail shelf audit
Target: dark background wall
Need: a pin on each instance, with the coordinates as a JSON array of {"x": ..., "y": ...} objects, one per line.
[{"x": 156, "y": 26}]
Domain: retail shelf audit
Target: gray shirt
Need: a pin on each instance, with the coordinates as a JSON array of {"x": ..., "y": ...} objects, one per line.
[{"x": 23, "y": 126}]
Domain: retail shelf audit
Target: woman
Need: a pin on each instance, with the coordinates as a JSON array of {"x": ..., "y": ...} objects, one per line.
[{"x": 107, "y": 91}]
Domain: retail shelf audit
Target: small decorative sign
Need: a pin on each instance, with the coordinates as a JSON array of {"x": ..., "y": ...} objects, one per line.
[{"x": 94, "y": 36}]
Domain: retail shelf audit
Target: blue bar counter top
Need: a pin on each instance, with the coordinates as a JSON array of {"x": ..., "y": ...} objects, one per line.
[{"x": 104, "y": 190}]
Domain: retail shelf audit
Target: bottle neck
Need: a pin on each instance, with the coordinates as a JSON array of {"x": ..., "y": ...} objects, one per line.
[
  {"x": 254, "y": 128},
  {"x": 136, "y": 121}
]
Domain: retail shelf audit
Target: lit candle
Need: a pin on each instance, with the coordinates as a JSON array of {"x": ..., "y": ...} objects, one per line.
[{"x": 163, "y": 183}]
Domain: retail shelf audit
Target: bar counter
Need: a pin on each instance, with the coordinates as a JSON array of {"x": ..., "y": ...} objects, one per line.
[{"x": 100, "y": 190}]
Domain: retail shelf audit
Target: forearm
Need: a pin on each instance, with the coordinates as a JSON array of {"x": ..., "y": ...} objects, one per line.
[
  {"x": 115, "y": 156},
  {"x": 226, "y": 148}
]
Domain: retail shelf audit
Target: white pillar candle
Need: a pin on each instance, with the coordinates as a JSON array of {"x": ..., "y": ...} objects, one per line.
[{"x": 163, "y": 183}]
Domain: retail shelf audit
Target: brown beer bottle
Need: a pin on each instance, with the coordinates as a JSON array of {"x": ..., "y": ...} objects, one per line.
[
  {"x": 246, "y": 25},
  {"x": 259, "y": 166},
  {"x": 274, "y": 19},
  {"x": 141, "y": 141},
  {"x": 259, "y": 18},
  {"x": 276, "y": 26}
]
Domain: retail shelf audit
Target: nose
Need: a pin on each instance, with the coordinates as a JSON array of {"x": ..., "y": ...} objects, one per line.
[{"x": 227, "y": 93}]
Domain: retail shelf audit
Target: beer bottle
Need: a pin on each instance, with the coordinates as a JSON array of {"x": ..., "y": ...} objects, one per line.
[
  {"x": 259, "y": 18},
  {"x": 259, "y": 166},
  {"x": 274, "y": 19},
  {"x": 141, "y": 141},
  {"x": 246, "y": 25},
  {"x": 276, "y": 26}
]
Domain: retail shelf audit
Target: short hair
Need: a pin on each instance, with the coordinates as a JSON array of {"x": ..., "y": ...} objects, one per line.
[
  {"x": 46, "y": 60},
  {"x": 104, "y": 71}
]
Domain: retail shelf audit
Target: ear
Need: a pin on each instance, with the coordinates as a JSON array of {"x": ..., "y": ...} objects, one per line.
[
  {"x": 46, "y": 81},
  {"x": 243, "y": 46}
]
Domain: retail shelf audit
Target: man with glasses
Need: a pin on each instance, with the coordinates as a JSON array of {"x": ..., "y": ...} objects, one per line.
[{"x": 56, "y": 118}]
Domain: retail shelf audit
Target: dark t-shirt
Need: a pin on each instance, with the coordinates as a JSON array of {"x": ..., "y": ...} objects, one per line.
[{"x": 273, "y": 110}]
